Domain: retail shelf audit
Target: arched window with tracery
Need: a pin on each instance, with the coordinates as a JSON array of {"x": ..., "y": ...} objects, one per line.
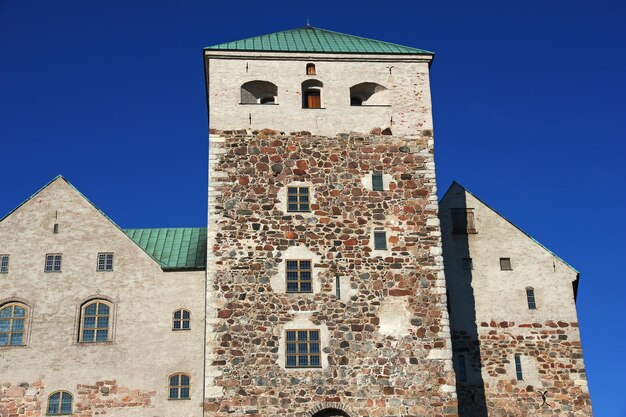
[
  {"x": 13, "y": 324},
  {"x": 181, "y": 320},
  {"x": 95, "y": 321},
  {"x": 59, "y": 403},
  {"x": 179, "y": 384}
]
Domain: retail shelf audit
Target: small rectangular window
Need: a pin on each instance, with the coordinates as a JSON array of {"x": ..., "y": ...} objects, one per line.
[
  {"x": 302, "y": 349},
  {"x": 337, "y": 287},
  {"x": 105, "y": 262},
  {"x": 518, "y": 368},
  {"x": 463, "y": 221},
  {"x": 299, "y": 276},
  {"x": 380, "y": 240},
  {"x": 4, "y": 264},
  {"x": 505, "y": 264},
  {"x": 467, "y": 264},
  {"x": 53, "y": 263},
  {"x": 462, "y": 370},
  {"x": 377, "y": 181},
  {"x": 530, "y": 297},
  {"x": 298, "y": 199}
]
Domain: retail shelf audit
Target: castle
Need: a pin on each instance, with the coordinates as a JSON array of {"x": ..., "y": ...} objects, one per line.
[{"x": 317, "y": 288}]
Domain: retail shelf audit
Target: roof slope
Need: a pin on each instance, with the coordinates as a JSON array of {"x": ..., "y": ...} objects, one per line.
[
  {"x": 310, "y": 39},
  {"x": 454, "y": 183},
  {"x": 173, "y": 248}
]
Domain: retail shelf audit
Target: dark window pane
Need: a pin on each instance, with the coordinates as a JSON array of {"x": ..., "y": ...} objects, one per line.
[
  {"x": 184, "y": 380},
  {"x": 174, "y": 380},
  {"x": 184, "y": 393},
  {"x": 377, "y": 181}
]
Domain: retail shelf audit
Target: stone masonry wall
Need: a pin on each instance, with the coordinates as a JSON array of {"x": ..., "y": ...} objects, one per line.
[
  {"x": 100, "y": 398},
  {"x": 386, "y": 349}
]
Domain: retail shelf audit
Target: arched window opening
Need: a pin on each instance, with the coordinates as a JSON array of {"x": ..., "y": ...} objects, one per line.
[
  {"x": 259, "y": 92},
  {"x": 331, "y": 412},
  {"x": 369, "y": 94},
  {"x": 13, "y": 322},
  {"x": 95, "y": 322},
  {"x": 59, "y": 403},
  {"x": 182, "y": 320},
  {"x": 179, "y": 386},
  {"x": 310, "y": 69},
  {"x": 312, "y": 94}
]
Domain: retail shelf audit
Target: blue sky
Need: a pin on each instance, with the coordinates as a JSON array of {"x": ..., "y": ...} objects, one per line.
[{"x": 528, "y": 102}]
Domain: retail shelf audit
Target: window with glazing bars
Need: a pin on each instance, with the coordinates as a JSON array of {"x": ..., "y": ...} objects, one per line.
[
  {"x": 303, "y": 349},
  {"x": 95, "y": 322},
  {"x": 467, "y": 264},
  {"x": 182, "y": 320},
  {"x": 179, "y": 386},
  {"x": 380, "y": 240},
  {"x": 299, "y": 276},
  {"x": 461, "y": 369},
  {"x": 105, "y": 262},
  {"x": 59, "y": 403},
  {"x": 53, "y": 263},
  {"x": 13, "y": 321},
  {"x": 4, "y": 264},
  {"x": 505, "y": 264},
  {"x": 298, "y": 199},
  {"x": 518, "y": 368},
  {"x": 377, "y": 181},
  {"x": 530, "y": 297}
]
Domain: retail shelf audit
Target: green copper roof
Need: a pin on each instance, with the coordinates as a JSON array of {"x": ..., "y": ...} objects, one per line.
[
  {"x": 173, "y": 248},
  {"x": 310, "y": 39}
]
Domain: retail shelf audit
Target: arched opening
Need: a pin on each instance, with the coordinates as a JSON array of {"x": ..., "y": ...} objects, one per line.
[
  {"x": 369, "y": 94},
  {"x": 259, "y": 92},
  {"x": 331, "y": 412},
  {"x": 312, "y": 94},
  {"x": 310, "y": 69}
]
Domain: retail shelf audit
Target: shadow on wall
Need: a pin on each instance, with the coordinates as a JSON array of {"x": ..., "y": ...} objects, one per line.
[{"x": 458, "y": 227}]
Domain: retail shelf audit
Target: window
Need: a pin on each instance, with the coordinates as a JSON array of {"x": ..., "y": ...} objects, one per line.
[
  {"x": 303, "y": 349},
  {"x": 299, "y": 276},
  {"x": 95, "y": 322},
  {"x": 310, "y": 69},
  {"x": 505, "y": 264},
  {"x": 13, "y": 321},
  {"x": 518, "y": 368},
  {"x": 530, "y": 297},
  {"x": 59, "y": 403},
  {"x": 467, "y": 264},
  {"x": 461, "y": 369},
  {"x": 298, "y": 199},
  {"x": 179, "y": 386},
  {"x": 369, "y": 94},
  {"x": 105, "y": 262},
  {"x": 259, "y": 92},
  {"x": 312, "y": 94},
  {"x": 53, "y": 263},
  {"x": 4, "y": 264},
  {"x": 462, "y": 221},
  {"x": 380, "y": 240},
  {"x": 182, "y": 319},
  {"x": 377, "y": 181}
]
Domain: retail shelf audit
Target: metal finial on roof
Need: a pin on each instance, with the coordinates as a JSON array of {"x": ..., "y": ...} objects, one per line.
[{"x": 308, "y": 24}]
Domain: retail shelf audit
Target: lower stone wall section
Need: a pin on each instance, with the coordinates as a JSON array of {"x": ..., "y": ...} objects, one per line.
[
  {"x": 100, "y": 398},
  {"x": 554, "y": 381}
]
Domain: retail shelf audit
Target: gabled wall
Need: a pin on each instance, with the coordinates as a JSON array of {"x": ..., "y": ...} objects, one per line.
[
  {"x": 491, "y": 321},
  {"x": 125, "y": 377}
]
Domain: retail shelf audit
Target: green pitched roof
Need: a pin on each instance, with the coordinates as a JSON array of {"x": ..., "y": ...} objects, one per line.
[
  {"x": 173, "y": 248},
  {"x": 310, "y": 39}
]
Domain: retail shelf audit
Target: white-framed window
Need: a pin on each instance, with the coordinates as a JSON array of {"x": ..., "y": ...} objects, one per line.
[
  {"x": 53, "y": 262},
  {"x": 4, "y": 264},
  {"x": 105, "y": 261},
  {"x": 181, "y": 320}
]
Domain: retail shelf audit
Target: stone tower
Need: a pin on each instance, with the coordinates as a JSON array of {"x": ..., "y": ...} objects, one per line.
[{"x": 325, "y": 286}]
